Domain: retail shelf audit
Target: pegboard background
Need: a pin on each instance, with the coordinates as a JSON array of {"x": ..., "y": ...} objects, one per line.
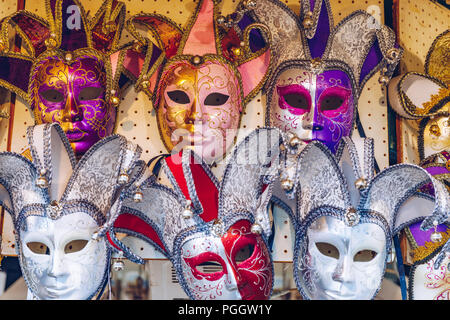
[
  {"x": 419, "y": 23},
  {"x": 136, "y": 118}
]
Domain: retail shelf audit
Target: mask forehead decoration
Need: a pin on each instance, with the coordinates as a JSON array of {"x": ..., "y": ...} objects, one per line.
[
  {"x": 319, "y": 69},
  {"x": 210, "y": 74},
  {"x": 204, "y": 221},
  {"x": 61, "y": 215},
  {"x": 71, "y": 70},
  {"x": 426, "y": 97},
  {"x": 346, "y": 217}
]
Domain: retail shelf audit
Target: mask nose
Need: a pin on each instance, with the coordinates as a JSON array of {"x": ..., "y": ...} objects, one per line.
[
  {"x": 343, "y": 271},
  {"x": 195, "y": 115},
  {"x": 57, "y": 268},
  {"x": 72, "y": 113},
  {"x": 233, "y": 279}
]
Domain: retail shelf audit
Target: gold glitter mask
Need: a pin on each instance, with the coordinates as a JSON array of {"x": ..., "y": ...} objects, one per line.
[
  {"x": 73, "y": 95},
  {"x": 199, "y": 107}
]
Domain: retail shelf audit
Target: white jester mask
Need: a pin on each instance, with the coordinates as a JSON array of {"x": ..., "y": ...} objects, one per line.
[
  {"x": 343, "y": 262},
  {"x": 61, "y": 210},
  {"x": 203, "y": 224},
  {"x": 346, "y": 217}
]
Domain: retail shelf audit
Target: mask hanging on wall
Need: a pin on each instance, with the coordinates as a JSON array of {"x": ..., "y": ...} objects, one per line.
[
  {"x": 319, "y": 69},
  {"x": 206, "y": 80},
  {"x": 61, "y": 210},
  {"x": 346, "y": 218},
  {"x": 205, "y": 223},
  {"x": 425, "y": 97},
  {"x": 69, "y": 70}
]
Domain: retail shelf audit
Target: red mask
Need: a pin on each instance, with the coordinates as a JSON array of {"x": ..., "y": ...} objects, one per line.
[{"x": 241, "y": 263}]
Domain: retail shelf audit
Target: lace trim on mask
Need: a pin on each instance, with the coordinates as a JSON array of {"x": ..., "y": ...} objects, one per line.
[
  {"x": 421, "y": 254},
  {"x": 392, "y": 212},
  {"x": 30, "y": 181},
  {"x": 430, "y": 108},
  {"x": 47, "y": 151},
  {"x": 300, "y": 214},
  {"x": 315, "y": 17},
  {"x": 66, "y": 209}
]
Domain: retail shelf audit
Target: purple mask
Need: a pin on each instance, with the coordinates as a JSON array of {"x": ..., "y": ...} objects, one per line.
[
  {"x": 73, "y": 95},
  {"x": 320, "y": 68},
  {"x": 313, "y": 106}
]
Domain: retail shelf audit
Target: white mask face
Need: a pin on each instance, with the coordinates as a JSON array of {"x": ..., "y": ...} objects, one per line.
[
  {"x": 59, "y": 259},
  {"x": 342, "y": 262},
  {"x": 429, "y": 283}
]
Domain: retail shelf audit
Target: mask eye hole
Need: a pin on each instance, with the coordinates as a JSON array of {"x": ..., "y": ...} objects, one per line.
[
  {"x": 38, "y": 248},
  {"x": 327, "y": 249},
  {"x": 209, "y": 267},
  {"x": 52, "y": 95},
  {"x": 216, "y": 99},
  {"x": 90, "y": 93},
  {"x": 75, "y": 246},
  {"x": 178, "y": 96},
  {"x": 245, "y": 253},
  {"x": 296, "y": 100},
  {"x": 364, "y": 255},
  {"x": 331, "y": 102}
]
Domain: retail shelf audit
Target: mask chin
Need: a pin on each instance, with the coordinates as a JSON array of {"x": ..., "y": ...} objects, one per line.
[
  {"x": 313, "y": 106},
  {"x": 337, "y": 262}
]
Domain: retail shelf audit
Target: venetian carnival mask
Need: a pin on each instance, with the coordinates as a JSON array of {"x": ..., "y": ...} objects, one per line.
[
  {"x": 429, "y": 278},
  {"x": 200, "y": 105},
  {"x": 208, "y": 78},
  {"x": 59, "y": 218},
  {"x": 319, "y": 70},
  {"x": 202, "y": 222},
  {"x": 313, "y": 106},
  {"x": 74, "y": 96},
  {"x": 71, "y": 70},
  {"x": 425, "y": 97},
  {"x": 346, "y": 217}
]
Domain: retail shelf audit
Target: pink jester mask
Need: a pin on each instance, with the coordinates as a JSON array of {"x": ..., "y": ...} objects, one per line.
[
  {"x": 70, "y": 71},
  {"x": 210, "y": 74},
  {"x": 319, "y": 69},
  {"x": 215, "y": 233},
  {"x": 200, "y": 107}
]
